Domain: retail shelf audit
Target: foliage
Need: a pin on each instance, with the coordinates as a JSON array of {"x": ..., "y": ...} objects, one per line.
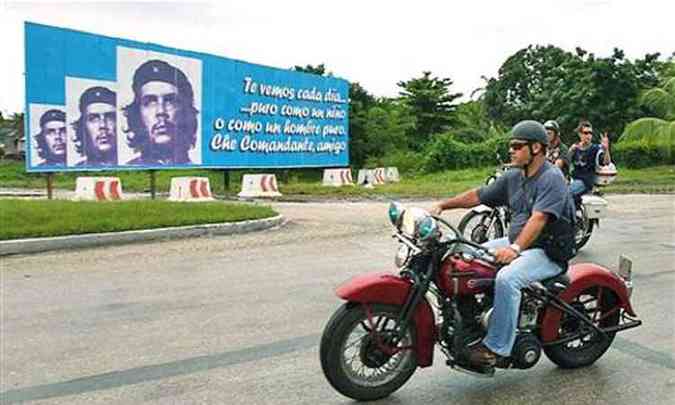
[
  {"x": 316, "y": 70},
  {"x": 37, "y": 218},
  {"x": 651, "y": 140},
  {"x": 407, "y": 162},
  {"x": 387, "y": 125},
  {"x": 360, "y": 101},
  {"x": 446, "y": 152},
  {"x": 543, "y": 83},
  {"x": 662, "y": 100},
  {"x": 431, "y": 104},
  {"x": 641, "y": 153}
]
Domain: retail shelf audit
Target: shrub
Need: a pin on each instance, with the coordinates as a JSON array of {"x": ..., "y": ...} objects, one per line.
[
  {"x": 407, "y": 162},
  {"x": 446, "y": 152},
  {"x": 641, "y": 153}
]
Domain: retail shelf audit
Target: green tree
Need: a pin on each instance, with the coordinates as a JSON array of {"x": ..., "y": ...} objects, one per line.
[
  {"x": 431, "y": 104},
  {"x": 16, "y": 122},
  {"x": 473, "y": 124},
  {"x": 316, "y": 70},
  {"x": 388, "y": 123},
  {"x": 360, "y": 102},
  {"x": 548, "y": 83},
  {"x": 659, "y": 130}
]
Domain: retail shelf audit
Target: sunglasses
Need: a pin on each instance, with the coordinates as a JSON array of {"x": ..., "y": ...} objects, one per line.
[
  {"x": 517, "y": 145},
  {"x": 587, "y": 132}
]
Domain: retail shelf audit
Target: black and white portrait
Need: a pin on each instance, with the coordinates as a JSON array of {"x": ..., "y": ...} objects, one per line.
[
  {"x": 93, "y": 131},
  {"x": 160, "y": 104},
  {"x": 48, "y": 129}
]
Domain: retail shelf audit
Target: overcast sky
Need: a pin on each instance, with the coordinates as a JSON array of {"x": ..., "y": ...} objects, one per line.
[{"x": 376, "y": 43}]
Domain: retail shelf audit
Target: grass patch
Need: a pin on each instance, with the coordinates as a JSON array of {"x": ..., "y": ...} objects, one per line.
[
  {"x": 20, "y": 218},
  {"x": 300, "y": 183},
  {"x": 652, "y": 180}
]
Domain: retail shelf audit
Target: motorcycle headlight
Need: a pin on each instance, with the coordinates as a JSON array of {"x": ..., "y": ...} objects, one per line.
[
  {"x": 418, "y": 224},
  {"x": 395, "y": 213},
  {"x": 427, "y": 228},
  {"x": 402, "y": 256}
]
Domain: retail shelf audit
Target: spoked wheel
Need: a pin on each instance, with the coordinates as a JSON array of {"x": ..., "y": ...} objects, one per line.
[
  {"x": 357, "y": 355},
  {"x": 600, "y": 305},
  {"x": 480, "y": 227},
  {"x": 584, "y": 228}
]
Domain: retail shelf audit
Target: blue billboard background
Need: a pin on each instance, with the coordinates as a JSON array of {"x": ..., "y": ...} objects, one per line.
[{"x": 95, "y": 102}]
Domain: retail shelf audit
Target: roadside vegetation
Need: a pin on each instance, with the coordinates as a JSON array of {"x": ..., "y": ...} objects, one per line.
[
  {"x": 21, "y": 218},
  {"x": 440, "y": 145},
  {"x": 306, "y": 184}
]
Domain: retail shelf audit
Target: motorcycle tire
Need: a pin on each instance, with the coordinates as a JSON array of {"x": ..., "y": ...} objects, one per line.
[
  {"x": 585, "y": 226},
  {"x": 478, "y": 233},
  {"x": 589, "y": 348},
  {"x": 348, "y": 318}
]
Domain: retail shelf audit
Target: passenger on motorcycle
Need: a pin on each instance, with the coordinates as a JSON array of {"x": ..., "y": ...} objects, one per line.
[
  {"x": 585, "y": 157},
  {"x": 537, "y": 196},
  {"x": 556, "y": 153}
]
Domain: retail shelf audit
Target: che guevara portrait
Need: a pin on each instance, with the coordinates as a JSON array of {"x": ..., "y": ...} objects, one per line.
[{"x": 160, "y": 103}]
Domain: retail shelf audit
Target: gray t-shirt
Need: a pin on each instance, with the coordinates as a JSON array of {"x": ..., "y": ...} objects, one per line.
[{"x": 546, "y": 192}]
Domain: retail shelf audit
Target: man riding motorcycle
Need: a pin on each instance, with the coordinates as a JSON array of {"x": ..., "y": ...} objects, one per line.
[
  {"x": 542, "y": 228},
  {"x": 556, "y": 152},
  {"x": 585, "y": 157}
]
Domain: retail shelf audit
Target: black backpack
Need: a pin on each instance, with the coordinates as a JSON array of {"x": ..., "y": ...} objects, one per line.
[{"x": 557, "y": 238}]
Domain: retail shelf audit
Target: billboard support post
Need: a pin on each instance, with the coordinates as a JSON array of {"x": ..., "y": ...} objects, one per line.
[
  {"x": 50, "y": 185},
  {"x": 153, "y": 184},
  {"x": 226, "y": 181}
]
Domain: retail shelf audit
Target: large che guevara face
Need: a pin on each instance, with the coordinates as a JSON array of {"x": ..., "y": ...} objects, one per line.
[{"x": 159, "y": 107}]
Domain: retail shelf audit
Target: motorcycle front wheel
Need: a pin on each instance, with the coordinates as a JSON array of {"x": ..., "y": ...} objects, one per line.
[
  {"x": 480, "y": 227},
  {"x": 352, "y": 355},
  {"x": 584, "y": 229}
]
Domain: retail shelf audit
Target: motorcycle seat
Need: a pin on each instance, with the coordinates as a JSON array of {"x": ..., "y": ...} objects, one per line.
[{"x": 557, "y": 283}]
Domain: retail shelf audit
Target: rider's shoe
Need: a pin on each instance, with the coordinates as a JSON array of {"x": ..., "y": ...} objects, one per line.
[{"x": 480, "y": 355}]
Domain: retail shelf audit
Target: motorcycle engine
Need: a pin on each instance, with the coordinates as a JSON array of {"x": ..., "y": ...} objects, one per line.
[{"x": 526, "y": 351}]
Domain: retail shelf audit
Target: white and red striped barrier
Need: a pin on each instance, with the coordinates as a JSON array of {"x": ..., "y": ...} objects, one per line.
[
  {"x": 259, "y": 185},
  {"x": 366, "y": 178},
  {"x": 337, "y": 177},
  {"x": 391, "y": 175},
  {"x": 380, "y": 176},
  {"x": 190, "y": 189},
  {"x": 98, "y": 189}
]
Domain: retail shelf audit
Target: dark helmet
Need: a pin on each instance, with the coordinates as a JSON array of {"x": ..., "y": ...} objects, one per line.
[
  {"x": 531, "y": 131},
  {"x": 553, "y": 125}
]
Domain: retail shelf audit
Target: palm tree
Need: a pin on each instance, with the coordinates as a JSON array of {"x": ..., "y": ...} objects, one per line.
[{"x": 655, "y": 131}]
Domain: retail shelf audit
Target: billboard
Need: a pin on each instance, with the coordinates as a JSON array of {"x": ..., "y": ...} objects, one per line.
[{"x": 95, "y": 102}]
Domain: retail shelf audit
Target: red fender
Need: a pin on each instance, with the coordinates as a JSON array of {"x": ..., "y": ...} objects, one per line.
[
  {"x": 387, "y": 288},
  {"x": 583, "y": 276}
]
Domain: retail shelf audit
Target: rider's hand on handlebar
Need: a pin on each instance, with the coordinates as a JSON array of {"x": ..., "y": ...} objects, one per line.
[
  {"x": 505, "y": 255},
  {"x": 436, "y": 209}
]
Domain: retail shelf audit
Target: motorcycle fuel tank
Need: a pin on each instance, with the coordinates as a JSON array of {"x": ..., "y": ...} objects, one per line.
[{"x": 463, "y": 274}]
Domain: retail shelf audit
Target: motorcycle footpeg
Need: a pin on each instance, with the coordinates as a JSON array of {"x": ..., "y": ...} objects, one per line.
[{"x": 476, "y": 371}]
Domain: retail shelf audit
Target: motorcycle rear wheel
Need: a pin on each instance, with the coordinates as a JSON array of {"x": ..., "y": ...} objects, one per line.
[
  {"x": 475, "y": 227},
  {"x": 599, "y": 304},
  {"x": 351, "y": 359}
]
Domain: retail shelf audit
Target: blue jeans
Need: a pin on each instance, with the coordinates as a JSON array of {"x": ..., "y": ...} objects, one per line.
[
  {"x": 532, "y": 265},
  {"x": 577, "y": 187}
]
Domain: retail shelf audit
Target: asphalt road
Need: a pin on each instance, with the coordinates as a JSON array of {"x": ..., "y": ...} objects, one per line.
[{"x": 237, "y": 319}]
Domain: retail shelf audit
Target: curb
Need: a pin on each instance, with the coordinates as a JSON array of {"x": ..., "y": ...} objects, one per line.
[{"x": 37, "y": 245}]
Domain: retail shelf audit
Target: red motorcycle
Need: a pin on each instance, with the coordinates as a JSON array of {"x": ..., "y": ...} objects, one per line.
[{"x": 388, "y": 327}]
